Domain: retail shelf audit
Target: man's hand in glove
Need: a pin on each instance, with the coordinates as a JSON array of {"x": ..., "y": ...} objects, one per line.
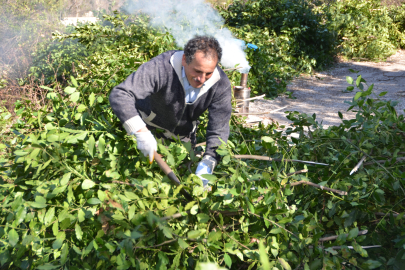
[
  {"x": 146, "y": 143},
  {"x": 206, "y": 166}
]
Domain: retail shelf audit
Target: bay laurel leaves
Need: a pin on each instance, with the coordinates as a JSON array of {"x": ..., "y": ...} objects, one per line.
[{"x": 88, "y": 184}]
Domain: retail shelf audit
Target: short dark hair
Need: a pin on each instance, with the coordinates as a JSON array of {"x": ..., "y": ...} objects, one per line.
[{"x": 206, "y": 44}]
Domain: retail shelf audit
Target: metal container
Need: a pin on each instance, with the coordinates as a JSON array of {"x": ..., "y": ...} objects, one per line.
[{"x": 241, "y": 94}]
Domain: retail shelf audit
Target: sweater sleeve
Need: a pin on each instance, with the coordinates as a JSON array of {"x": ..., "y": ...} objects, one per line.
[
  {"x": 219, "y": 114},
  {"x": 139, "y": 85}
]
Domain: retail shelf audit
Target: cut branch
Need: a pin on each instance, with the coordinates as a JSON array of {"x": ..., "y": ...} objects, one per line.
[
  {"x": 385, "y": 214},
  {"x": 253, "y": 98},
  {"x": 330, "y": 238},
  {"x": 278, "y": 159},
  {"x": 340, "y": 192}
]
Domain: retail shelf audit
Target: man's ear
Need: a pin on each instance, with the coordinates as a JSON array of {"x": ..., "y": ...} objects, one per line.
[{"x": 183, "y": 60}]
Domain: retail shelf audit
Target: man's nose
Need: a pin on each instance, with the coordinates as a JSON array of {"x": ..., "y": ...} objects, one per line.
[{"x": 202, "y": 78}]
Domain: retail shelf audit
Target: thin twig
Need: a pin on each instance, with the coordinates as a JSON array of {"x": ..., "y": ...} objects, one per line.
[
  {"x": 330, "y": 238},
  {"x": 349, "y": 247},
  {"x": 177, "y": 215},
  {"x": 340, "y": 192},
  {"x": 200, "y": 144},
  {"x": 236, "y": 113},
  {"x": 277, "y": 159},
  {"x": 161, "y": 244},
  {"x": 124, "y": 183},
  {"x": 229, "y": 69},
  {"x": 385, "y": 214},
  {"x": 383, "y": 161},
  {"x": 247, "y": 99}
]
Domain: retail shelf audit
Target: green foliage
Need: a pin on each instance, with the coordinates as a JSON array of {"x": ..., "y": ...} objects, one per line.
[
  {"x": 365, "y": 29},
  {"x": 291, "y": 37},
  {"x": 91, "y": 48},
  {"x": 76, "y": 192},
  {"x": 397, "y": 14}
]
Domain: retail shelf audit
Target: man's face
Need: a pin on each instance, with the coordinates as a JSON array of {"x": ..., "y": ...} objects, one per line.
[{"x": 200, "y": 69}]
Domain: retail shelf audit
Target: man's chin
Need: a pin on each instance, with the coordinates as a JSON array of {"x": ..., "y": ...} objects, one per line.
[{"x": 197, "y": 85}]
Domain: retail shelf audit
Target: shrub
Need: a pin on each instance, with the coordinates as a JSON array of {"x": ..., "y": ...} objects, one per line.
[
  {"x": 291, "y": 36},
  {"x": 365, "y": 29}
]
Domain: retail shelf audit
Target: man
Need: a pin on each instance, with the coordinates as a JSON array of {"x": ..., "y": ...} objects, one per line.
[{"x": 170, "y": 92}]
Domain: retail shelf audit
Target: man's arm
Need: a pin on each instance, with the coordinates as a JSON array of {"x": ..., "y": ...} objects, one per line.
[
  {"x": 219, "y": 114},
  {"x": 138, "y": 85}
]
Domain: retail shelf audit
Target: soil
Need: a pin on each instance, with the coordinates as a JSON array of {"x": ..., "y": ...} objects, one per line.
[{"x": 324, "y": 94}]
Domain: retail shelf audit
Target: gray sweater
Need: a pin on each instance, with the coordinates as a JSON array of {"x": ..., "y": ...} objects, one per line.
[{"x": 156, "y": 93}]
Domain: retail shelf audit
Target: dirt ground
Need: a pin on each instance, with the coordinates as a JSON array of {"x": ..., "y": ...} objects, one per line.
[{"x": 323, "y": 93}]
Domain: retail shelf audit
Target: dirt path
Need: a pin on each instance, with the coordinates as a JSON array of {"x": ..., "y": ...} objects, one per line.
[{"x": 323, "y": 94}]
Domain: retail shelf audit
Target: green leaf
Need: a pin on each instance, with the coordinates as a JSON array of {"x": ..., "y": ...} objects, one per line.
[
  {"x": 70, "y": 90},
  {"x": 21, "y": 153},
  {"x": 228, "y": 260},
  {"x": 91, "y": 143},
  {"x": 13, "y": 237},
  {"x": 49, "y": 216},
  {"x": 78, "y": 231},
  {"x": 382, "y": 94},
  {"x": 182, "y": 243},
  {"x": 358, "y": 80},
  {"x": 64, "y": 253},
  {"x": 131, "y": 212},
  {"x": 353, "y": 233},
  {"x": 167, "y": 232},
  {"x": 193, "y": 234},
  {"x": 349, "y": 80},
  {"x": 65, "y": 179},
  {"x": 92, "y": 98},
  {"x": 264, "y": 259},
  {"x": 359, "y": 249},
  {"x": 267, "y": 139},
  {"x": 37, "y": 205},
  {"x": 203, "y": 218},
  {"x": 48, "y": 266},
  {"x": 81, "y": 108},
  {"x": 358, "y": 95},
  {"x": 194, "y": 210},
  {"x": 212, "y": 178},
  {"x": 101, "y": 145},
  {"x": 88, "y": 184},
  {"x": 21, "y": 214},
  {"x": 75, "y": 96},
  {"x": 74, "y": 82},
  {"x": 93, "y": 201},
  {"x": 81, "y": 216},
  {"x": 284, "y": 264},
  {"x": 59, "y": 240},
  {"x": 55, "y": 228}
]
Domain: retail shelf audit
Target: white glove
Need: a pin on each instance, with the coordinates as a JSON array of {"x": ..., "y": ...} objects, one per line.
[
  {"x": 146, "y": 143},
  {"x": 206, "y": 166}
]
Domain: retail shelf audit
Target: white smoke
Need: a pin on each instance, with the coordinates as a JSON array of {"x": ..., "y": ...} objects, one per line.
[{"x": 186, "y": 18}]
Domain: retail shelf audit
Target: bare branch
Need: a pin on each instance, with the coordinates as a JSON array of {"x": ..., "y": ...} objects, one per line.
[
  {"x": 278, "y": 159},
  {"x": 330, "y": 238},
  {"x": 340, "y": 192}
]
